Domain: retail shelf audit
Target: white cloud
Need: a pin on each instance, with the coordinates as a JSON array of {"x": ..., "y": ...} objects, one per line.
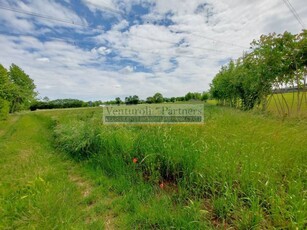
[
  {"x": 182, "y": 56},
  {"x": 126, "y": 70},
  {"x": 44, "y": 59},
  {"x": 48, "y": 12},
  {"x": 121, "y": 25},
  {"x": 108, "y": 7},
  {"x": 101, "y": 50}
]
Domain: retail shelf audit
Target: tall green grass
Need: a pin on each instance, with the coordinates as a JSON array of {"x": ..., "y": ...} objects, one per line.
[
  {"x": 238, "y": 170},
  {"x": 35, "y": 190}
]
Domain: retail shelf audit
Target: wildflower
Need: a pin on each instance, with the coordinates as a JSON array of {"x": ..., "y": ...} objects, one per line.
[
  {"x": 135, "y": 160},
  {"x": 161, "y": 185}
]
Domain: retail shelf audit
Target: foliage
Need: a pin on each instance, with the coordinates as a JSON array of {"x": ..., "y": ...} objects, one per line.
[
  {"x": 59, "y": 103},
  {"x": 205, "y": 96},
  {"x": 5, "y": 84},
  {"x": 192, "y": 96},
  {"x": 4, "y": 109},
  {"x": 5, "y": 93},
  {"x": 118, "y": 101},
  {"x": 132, "y": 100},
  {"x": 158, "y": 98},
  {"x": 24, "y": 89},
  {"x": 277, "y": 61},
  {"x": 16, "y": 87},
  {"x": 149, "y": 100}
]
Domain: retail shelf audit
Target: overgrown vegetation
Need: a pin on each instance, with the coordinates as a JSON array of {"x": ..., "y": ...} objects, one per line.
[
  {"x": 251, "y": 177},
  {"x": 276, "y": 64}
]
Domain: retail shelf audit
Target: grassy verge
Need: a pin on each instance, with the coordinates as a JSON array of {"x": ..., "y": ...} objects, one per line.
[
  {"x": 39, "y": 188},
  {"x": 239, "y": 170}
]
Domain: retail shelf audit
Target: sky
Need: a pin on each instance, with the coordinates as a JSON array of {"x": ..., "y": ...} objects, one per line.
[{"x": 102, "y": 49}]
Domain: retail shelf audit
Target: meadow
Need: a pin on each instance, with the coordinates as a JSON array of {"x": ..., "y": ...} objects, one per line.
[{"x": 63, "y": 169}]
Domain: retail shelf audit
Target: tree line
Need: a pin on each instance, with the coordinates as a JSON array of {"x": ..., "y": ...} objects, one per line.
[
  {"x": 17, "y": 90},
  {"x": 62, "y": 103},
  {"x": 278, "y": 62},
  {"x": 45, "y": 103},
  {"x": 158, "y": 98}
]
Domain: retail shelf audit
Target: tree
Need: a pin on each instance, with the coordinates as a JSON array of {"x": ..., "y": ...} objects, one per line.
[
  {"x": 132, "y": 100},
  {"x": 276, "y": 62},
  {"x": 158, "y": 98},
  {"x": 135, "y": 99},
  {"x": 46, "y": 99},
  {"x": 23, "y": 93},
  {"x": 150, "y": 100},
  {"x": 188, "y": 96},
  {"x": 118, "y": 101},
  {"x": 205, "y": 96},
  {"x": 6, "y": 87},
  {"x": 192, "y": 96},
  {"x": 166, "y": 99},
  {"x": 180, "y": 98},
  {"x": 60, "y": 103}
]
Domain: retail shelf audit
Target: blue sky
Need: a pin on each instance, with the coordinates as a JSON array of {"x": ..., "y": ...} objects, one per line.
[{"x": 101, "y": 49}]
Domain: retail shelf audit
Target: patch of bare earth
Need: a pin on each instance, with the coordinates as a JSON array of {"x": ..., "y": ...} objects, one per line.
[
  {"x": 109, "y": 222},
  {"x": 86, "y": 189},
  {"x": 110, "y": 216},
  {"x": 84, "y": 185},
  {"x": 24, "y": 155}
]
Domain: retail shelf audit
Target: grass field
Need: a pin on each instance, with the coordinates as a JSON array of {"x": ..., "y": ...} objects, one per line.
[
  {"x": 282, "y": 105},
  {"x": 64, "y": 170},
  {"x": 287, "y": 103}
]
